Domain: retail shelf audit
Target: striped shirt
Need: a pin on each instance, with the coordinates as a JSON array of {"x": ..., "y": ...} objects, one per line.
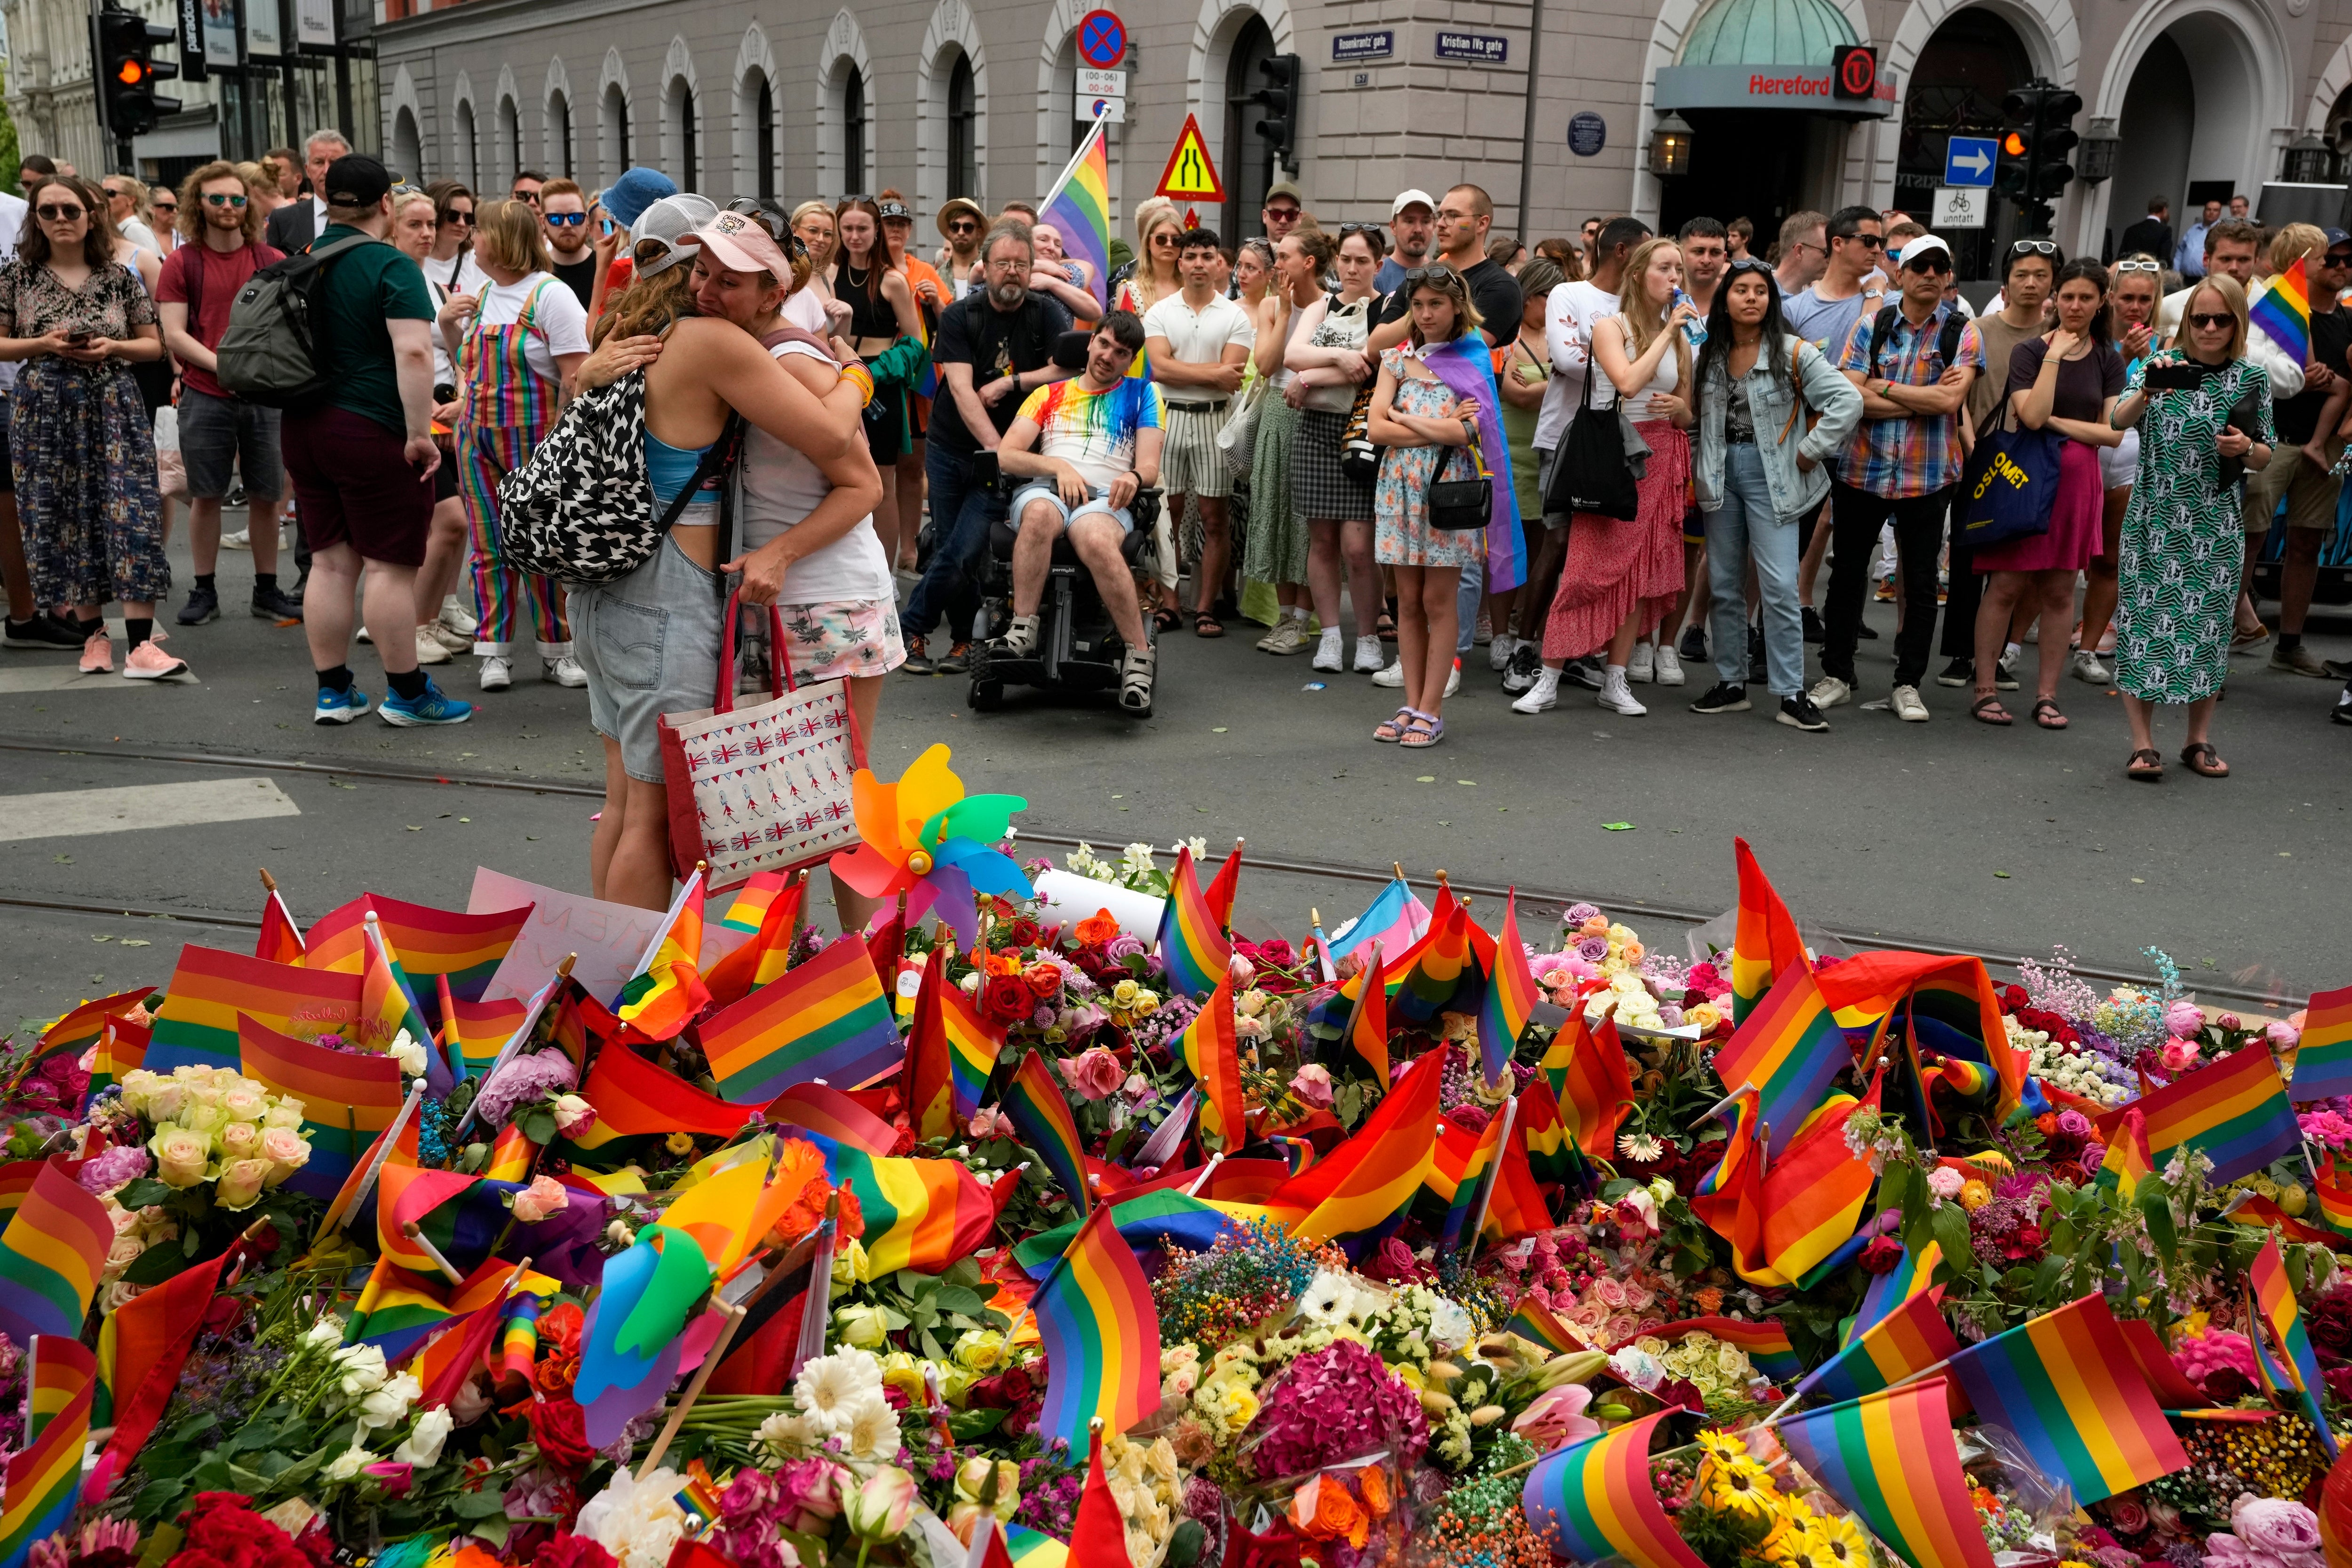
[{"x": 1919, "y": 455}]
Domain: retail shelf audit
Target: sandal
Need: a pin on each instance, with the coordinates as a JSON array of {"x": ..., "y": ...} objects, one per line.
[
  {"x": 2046, "y": 713},
  {"x": 1385, "y": 627},
  {"x": 1390, "y": 729},
  {"x": 1166, "y": 619},
  {"x": 1206, "y": 625},
  {"x": 1988, "y": 710},
  {"x": 1425, "y": 730},
  {"x": 2145, "y": 765},
  {"x": 2202, "y": 759}
]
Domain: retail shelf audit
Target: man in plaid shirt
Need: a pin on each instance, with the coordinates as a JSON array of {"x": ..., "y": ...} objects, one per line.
[{"x": 1901, "y": 462}]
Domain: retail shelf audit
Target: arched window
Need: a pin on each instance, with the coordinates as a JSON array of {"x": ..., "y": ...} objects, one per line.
[
  {"x": 559, "y": 131},
  {"x": 853, "y": 128},
  {"x": 1968, "y": 65},
  {"x": 469, "y": 153},
  {"x": 682, "y": 127},
  {"x": 1249, "y": 157},
  {"x": 964, "y": 129},
  {"x": 763, "y": 140},
  {"x": 407, "y": 146},
  {"x": 615, "y": 131},
  {"x": 510, "y": 135}
]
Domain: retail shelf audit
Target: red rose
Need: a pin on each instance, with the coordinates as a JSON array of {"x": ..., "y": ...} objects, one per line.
[
  {"x": 561, "y": 1328},
  {"x": 2012, "y": 998},
  {"x": 1044, "y": 980},
  {"x": 560, "y": 1429},
  {"x": 1882, "y": 1255},
  {"x": 569, "y": 1551},
  {"x": 1006, "y": 1000}
]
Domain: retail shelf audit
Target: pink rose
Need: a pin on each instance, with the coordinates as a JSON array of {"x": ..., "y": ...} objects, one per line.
[
  {"x": 2282, "y": 1035},
  {"x": 1944, "y": 1182},
  {"x": 2178, "y": 1055},
  {"x": 989, "y": 1122},
  {"x": 1312, "y": 1085},
  {"x": 543, "y": 1197},
  {"x": 1093, "y": 1074},
  {"x": 1610, "y": 1293},
  {"x": 1622, "y": 1327},
  {"x": 2184, "y": 1020}
]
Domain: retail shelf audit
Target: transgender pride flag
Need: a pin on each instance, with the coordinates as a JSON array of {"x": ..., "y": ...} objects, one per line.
[{"x": 1078, "y": 207}]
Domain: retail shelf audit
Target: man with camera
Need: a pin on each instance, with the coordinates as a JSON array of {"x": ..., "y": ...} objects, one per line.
[{"x": 1086, "y": 445}]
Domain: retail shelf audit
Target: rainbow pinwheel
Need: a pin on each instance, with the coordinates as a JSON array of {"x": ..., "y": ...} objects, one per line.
[{"x": 926, "y": 838}]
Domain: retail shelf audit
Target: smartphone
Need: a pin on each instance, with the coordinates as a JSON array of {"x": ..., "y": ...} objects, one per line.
[
  {"x": 608, "y": 226},
  {"x": 77, "y": 337},
  {"x": 2174, "y": 377}
]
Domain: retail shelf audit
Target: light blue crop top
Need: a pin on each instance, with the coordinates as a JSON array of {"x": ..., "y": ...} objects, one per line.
[{"x": 668, "y": 467}]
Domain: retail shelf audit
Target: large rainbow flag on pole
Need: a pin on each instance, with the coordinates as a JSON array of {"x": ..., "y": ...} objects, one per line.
[
  {"x": 2067, "y": 1384},
  {"x": 1593, "y": 1499},
  {"x": 1891, "y": 1458},
  {"x": 1101, "y": 1334},
  {"x": 1078, "y": 207}
]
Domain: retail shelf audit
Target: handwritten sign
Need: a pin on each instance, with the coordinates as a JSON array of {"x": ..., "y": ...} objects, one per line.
[{"x": 609, "y": 937}]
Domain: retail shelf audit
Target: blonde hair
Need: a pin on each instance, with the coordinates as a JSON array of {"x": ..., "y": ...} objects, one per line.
[
  {"x": 649, "y": 304},
  {"x": 1153, "y": 216},
  {"x": 190, "y": 222},
  {"x": 254, "y": 174},
  {"x": 2232, "y": 295},
  {"x": 507, "y": 235},
  {"x": 1444, "y": 280},
  {"x": 2295, "y": 241},
  {"x": 1643, "y": 322}
]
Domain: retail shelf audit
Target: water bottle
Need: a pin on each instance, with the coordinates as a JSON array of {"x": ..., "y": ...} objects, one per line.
[{"x": 1696, "y": 330}]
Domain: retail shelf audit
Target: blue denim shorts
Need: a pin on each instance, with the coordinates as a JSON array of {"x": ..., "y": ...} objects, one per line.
[
  {"x": 649, "y": 645},
  {"x": 1096, "y": 502}
]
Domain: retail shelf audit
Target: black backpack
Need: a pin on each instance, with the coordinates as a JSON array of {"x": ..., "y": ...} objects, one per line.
[
  {"x": 1948, "y": 341},
  {"x": 269, "y": 352}
]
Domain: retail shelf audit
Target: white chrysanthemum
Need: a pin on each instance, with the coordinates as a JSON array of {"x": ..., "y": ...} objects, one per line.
[
  {"x": 868, "y": 1430},
  {"x": 785, "y": 1436},
  {"x": 829, "y": 1384}
]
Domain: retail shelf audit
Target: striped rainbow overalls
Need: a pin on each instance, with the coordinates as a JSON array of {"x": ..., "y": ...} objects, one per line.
[{"x": 504, "y": 411}]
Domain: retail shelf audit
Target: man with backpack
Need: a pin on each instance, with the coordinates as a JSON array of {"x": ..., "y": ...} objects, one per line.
[
  {"x": 361, "y": 450},
  {"x": 1914, "y": 362},
  {"x": 219, "y": 432}
]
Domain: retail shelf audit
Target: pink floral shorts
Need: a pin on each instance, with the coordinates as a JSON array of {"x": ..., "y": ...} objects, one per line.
[{"x": 858, "y": 637}]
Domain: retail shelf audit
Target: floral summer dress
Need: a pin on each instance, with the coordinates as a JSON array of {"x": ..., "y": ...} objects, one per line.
[
  {"x": 1402, "y": 534},
  {"x": 2183, "y": 538}
]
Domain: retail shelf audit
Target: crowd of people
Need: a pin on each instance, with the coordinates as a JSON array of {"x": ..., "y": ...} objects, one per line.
[{"x": 1599, "y": 456}]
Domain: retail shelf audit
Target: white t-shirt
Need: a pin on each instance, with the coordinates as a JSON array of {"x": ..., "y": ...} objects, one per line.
[
  {"x": 1569, "y": 316},
  {"x": 140, "y": 234},
  {"x": 779, "y": 487},
  {"x": 459, "y": 274},
  {"x": 1663, "y": 379},
  {"x": 1199, "y": 336},
  {"x": 562, "y": 319},
  {"x": 805, "y": 309}
]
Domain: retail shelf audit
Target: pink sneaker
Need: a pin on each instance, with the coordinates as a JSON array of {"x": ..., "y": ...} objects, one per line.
[
  {"x": 149, "y": 662},
  {"x": 97, "y": 653}
]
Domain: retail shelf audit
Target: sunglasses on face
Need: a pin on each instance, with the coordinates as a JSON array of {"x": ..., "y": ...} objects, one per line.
[
  {"x": 2337, "y": 258},
  {"x": 2217, "y": 319},
  {"x": 165, "y": 206},
  {"x": 1868, "y": 242},
  {"x": 566, "y": 220},
  {"x": 215, "y": 199},
  {"x": 1163, "y": 238},
  {"x": 464, "y": 219},
  {"x": 1937, "y": 264},
  {"x": 530, "y": 196},
  {"x": 963, "y": 226},
  {"x": 60, "y": 215}
]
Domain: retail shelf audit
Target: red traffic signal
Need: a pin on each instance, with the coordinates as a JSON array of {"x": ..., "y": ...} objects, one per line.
[{"x": 2013, "y": 144}]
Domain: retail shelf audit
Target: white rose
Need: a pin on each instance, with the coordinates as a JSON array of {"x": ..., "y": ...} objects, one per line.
[
  {"x": 348, "y": 1463},
  {"x": 422, "y": 1447},
  {"x": 327, "y": 1331},
  {"x": 389, "y": 1404},
  {"x": 409, "y": 1054},
  {"x": 362, "y": 1366}
]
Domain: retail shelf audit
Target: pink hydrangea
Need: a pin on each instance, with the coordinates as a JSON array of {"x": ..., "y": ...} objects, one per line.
[
  {"x": 1336, "y": 1404},
  {"x": 2329, "y": 1128},
  {"x": 111, "y": 1168}
]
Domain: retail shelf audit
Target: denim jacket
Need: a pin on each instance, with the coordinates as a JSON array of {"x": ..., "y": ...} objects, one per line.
[{"x": 1822, "y": 387}]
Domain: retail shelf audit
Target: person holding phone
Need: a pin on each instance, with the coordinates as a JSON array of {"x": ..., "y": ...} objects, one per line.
[{"x": 2206, "y": 413}]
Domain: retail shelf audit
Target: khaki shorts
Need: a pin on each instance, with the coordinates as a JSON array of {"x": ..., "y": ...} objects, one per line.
[{"x": 2310, "y": 493}]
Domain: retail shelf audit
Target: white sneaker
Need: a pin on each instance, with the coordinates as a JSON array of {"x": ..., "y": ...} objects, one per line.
[
  {"x": 1290, "y": 636},
  {"x": 1368, "y": 657},
  {"x": 458, "y": 618},
  {"x": 565, "y": 671},
  {"x": 1544, "y": 693},
  {"x": 1908, "y": 706},
  {"x": 1391, "y": 676},
  {"x": 241, "y": 540},
  {"x": 496, "y": 674},
  {"x": 429, "y": 649},
  {"x": 1829, "y": 692},
  {"x": 361, "y": 636},
  {"x": 454, "y": 642},
  {"x": 1616, "y": 695},
  {"x": 1328, "y": 651},
  {"x": 1499, "y": 651},
  {"x": 1266, "y": 645},
  {"x": 1484, "y": 630},
  {"x": 1669, "y": 665},
  {"x": 1454, "y": 678},
  {"x": 2088, "y": 668},
  {"x": 1643, "y": 668}
]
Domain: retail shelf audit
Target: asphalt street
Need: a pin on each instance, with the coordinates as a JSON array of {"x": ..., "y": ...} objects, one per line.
[{"x": 2003, "y": 842}]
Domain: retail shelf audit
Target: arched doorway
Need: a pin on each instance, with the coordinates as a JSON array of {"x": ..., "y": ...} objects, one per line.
[
  {"x": 2192, "y": 125},
  {"x": 1968, "y": 65},
  {"x": 1248, "y": 161},
  {"x": 407, "y": 147},
  {"x": 963, "y": 126}
]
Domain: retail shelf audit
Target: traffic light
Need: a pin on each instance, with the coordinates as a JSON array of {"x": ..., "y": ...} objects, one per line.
[
  {"x": 2033, "y": 148},
  {"x": 2055, "y": 143},
  {"x": 1279, "y": 125},
  {"x": 2008, "y": 172},
  {"x": 128, "y": 72}
]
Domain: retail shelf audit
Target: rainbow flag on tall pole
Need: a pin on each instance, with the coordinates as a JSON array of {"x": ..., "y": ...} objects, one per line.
[
  {"x": 1593, "y": 1499},
  {"x": 2067, "y": 1384},
  {"x": 2323, "y": 1062},
  {"x": 2270, "y": 1300},
  {"x": 1078, "y": 207},
  {"x": 2282, "y": 310},
  {"x": 1891, "y": 1458}
]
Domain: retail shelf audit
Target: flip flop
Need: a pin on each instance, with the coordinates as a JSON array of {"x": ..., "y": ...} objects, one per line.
[
  {"x": 2046, "y": 713},
  {"x": 1988, "y": 710},
  {"x": 2202, "y": 759},
  {"x": 2145, "y": 765}
]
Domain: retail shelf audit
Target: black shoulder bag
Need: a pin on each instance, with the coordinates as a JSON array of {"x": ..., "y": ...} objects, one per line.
[{"x": 1593, "y": 474}]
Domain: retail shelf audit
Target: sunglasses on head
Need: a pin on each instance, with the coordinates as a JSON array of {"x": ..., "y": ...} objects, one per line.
[
  {"x": 1748, "y": 263},
  {"x": 2156, "y": 268},
  {"x": 1438, "y": 274},
  {"x": 565, "y": 220},
  {"x": 1346, "y": 229},
  {"x": 2215, "y": 319},
  {"x": 2033, "y": 248}
]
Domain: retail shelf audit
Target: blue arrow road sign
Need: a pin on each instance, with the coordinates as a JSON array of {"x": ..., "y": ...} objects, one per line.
[{"x": 1968, "y": 160}]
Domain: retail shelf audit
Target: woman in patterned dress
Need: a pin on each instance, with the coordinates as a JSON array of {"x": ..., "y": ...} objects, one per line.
[{"x": 2182, "y": 537}]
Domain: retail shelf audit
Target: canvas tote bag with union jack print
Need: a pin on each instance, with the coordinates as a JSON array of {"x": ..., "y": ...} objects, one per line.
[{"x": 764, "y": 788}]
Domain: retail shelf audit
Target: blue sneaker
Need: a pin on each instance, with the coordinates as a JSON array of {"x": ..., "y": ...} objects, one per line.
[
  {"x": 339, "y": 708},
  {"x": 432, "y": 707}
]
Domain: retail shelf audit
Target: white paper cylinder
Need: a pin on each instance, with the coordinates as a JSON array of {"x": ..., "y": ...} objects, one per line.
[{"x": 1070, "y": 898}]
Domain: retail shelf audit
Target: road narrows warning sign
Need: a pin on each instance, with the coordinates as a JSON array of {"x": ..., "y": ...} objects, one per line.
[{"x": 1190, "y": 176}]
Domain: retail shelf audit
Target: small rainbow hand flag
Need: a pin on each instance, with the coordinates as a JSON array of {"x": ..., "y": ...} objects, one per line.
[
  {"x": 468, "y": 948},
  {"x": 1368, "y": 1180},
  {"x": 45, "y": 1476},
  {"x": 2235, "y": 1110},
  {"x": 1765, "y": 943},
  {"x": 1591, "y": 1082},
  {"x": 1037, "y": 1106},
  {"x": 2068, "y": 1386},
  {"x": 951, "y": 1053},
  {"x": 142, "y": 1347},
  {"x": 1192, "y": 944},
  {"x": 1887, "y": 1292},
  {"x": 347, "y": 1099},
  {"x": 1511, "y": 998},
  {"x": 1891, "y": 1458},
  {"x": 1101, "y": 1334},
  {"x": 1790, "y": 1050},
  {"x": 1912, "y": 1338},
  {"x": 2323, "y": 1060},
  {"x": 2282, "y": 310},
  {"x": 2269, "y": 1299},
  {"x": 1079, "y": 210},
  {"x": 51, "y": 1255},
  {"x": 828, "y": 1018},
  {"x": 1211, "y": 1052},
  {"x": 197, "y": 1025},
  {"x": 1593, "y": 1499},
  {"x": 773, "y": 905}
]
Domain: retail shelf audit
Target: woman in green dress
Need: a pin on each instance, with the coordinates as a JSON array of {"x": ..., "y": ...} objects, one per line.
[{"x": 2208, "y": 416}]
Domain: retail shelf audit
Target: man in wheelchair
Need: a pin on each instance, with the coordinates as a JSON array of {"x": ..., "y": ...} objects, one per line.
[{"x": 1082, "y": 450}]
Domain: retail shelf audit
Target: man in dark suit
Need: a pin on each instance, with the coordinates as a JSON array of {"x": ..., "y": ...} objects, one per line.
[
  {"x": 2152, "y": 233},
  {"x": 293, "y": 226}
]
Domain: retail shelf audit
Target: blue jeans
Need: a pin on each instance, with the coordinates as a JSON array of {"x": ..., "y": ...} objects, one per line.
[
  {"x": 1745, "y": 526},
  {"x": 1466, "y": 606},
  {"x": 960, "y": 515}
]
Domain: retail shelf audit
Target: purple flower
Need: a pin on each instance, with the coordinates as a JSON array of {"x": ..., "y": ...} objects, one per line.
[
  {"x": 522, "y": 1082},
  {"x": 1578, "y": 913},
  {"x": 2073, "y": 1124},
  {"x": 1592, "y": 949},
  {"x": 102, "y": 1173},
  {"x": 1122, "y": 948}
]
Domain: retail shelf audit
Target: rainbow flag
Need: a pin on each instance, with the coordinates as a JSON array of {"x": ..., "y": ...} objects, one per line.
[
  {"x": 764, "y": 959},
  {"x": 51, "y": 1255},
  {"x": 1191, "y": 943},
  {"x": 951, "y": 1053},
  {"x": 1165, "y": 1218},
  {"x": 1366, "y": 1182},
  {"x": 1551, "y": 1151},
  {"x": 45, "y": 1476},
  {"x": 1395, "y": 919},
  {"x": 2335, "y": 1197},
  {"x": 85, "y": 1026},
  {"x": 1766, "y": 1342},
  {"x": 1101, "y": 1334},
  {"x": 449, "y": 1354},
  {"x": 2067, "y": 1384},
  {"x": 2235, "y": 1110},
  {"x": 1594, "y": 1088},
  {"x": 353, "y": 1209},
  {"x": 462, "y": 1215},
  {"x": 1912, "y": 1338},
  {"x": 1533, "y": 1321},
  {"x": 819, "y": 1109},
  {"x": 1368, "y": 1020},
  {"x": 2323, "y": 1062},
  {"x": 2269, "y": 1299},
  {"x": 1784, "y": 1224},
  {"x": 639, "y": 1107},
  {"x": 512, "y": 1154},
  {"x": 1037, "y": 1106},
  {"x": 919, "y": 1214},
  {"x": 482, "y": 1028},
  {"x": 1891, "y": 1458},
  {"x": 197, "y": 1025},
  {"x": 1593, "y": 1499},
  {"x": 665, "y": 993},
  {"x": 1211, "y": 1051},
  {"x": 519, "y": 1335},
  {"x": 1790, "y": 1050},
  {"x": 16, "y": 1178},
  {"x": 121, "y": 1048},
  {"x": 2282, "y": 310},
  {"x": 1515, "y": 1207},
  {"x": 1510, "y": 999},
  {"x": 397, "y": 1308},
  {"x": 1887, "y": 1293},
  {"x": 388, "y": 1009},
  {"x": 1222, "y": 888},
  {"x": 468, "y": 948},
  {"x": 1765, "y": 943},
  {"x": 1475, "y": 1152},
  {"x": 1034, "y": 1548},
  {"x": 1079, "y": 210},
  {"x": 347, "y": 1098},
  {"x": 280, "y": 941},
  {"x": 2127, "y": 1160},
  {"x": 1950, "y": 1004},
  {"x": 749, "y": 910},
  {"x": 1441, "y": 975},
  {"x": 142, "y": 1345},
  {"x": 826, "y": 1019}
]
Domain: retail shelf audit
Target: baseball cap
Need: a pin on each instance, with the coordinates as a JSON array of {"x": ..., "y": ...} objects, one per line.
[
  {"x": 2336, "y": 236},
  {"x": 671, "y": 221},
  {"x": 1409, "y": 198},
  {"x": 627, "y": 197},
  {"x": 1284, "y": 188},
  {"x": 1919, "y": 246},
  {"x": 742, "y": 243},
  {"x": 356, "y": 179}
]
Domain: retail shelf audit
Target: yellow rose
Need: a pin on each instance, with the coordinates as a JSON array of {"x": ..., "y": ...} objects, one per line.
[
  {"x": 1147, "y": 1004},
  {"x": 904, "y": 1372},
  {"x": 983, "y": 1350},
  {"x": 2294, "y": 1200},
  {"x": 283, "y": 1114},
  {"x": 955, "y": 1382},
  {"x": 199, "y": 1117},
  {"x": 182, "y": 1155},
  {"x": 240, "y": 1141},
  {"x": 287, "y": 1152},
  {"x": 1236, "y": 1406},
  {"x": 849, "y": 1264},
  {"x": 240, "y": 1184},
  {"x": 1123, "y": 995},
  {"x": 865, "y": 1327}
]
